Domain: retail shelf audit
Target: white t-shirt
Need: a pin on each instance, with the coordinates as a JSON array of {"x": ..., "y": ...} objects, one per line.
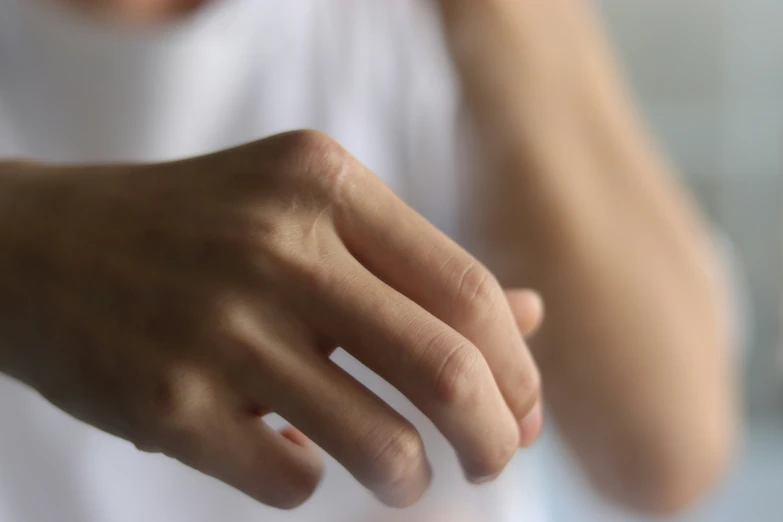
[{"x": 373, "y": 74}]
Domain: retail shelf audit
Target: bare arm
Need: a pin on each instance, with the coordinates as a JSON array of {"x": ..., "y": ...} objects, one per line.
[
  {"x": 634, "y": 353},
  {"x": 176, "y": 304}
]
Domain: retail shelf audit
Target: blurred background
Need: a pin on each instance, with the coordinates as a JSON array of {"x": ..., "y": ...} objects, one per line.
[{"x": 708, "y": 75}]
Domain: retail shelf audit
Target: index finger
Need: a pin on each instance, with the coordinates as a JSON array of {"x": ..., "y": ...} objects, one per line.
[{"x": 410, "y": 254}]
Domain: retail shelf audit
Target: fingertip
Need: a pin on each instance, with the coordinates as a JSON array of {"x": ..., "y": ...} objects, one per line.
[
  {"x": 281, "y": 469},
  {"x": 536, "y": 303},
  {"x": 295, "y": 436},
  {"x": 304, "y": 474},
  {"x": 312, "y": 453},
  {"x": 531, "y": 426},
  {"x": 527, "y": 300},
  {"x": 404, "y": 495},
  {"x": 528, "y": 309}
]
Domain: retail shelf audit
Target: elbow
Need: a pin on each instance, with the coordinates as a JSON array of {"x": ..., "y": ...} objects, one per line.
[
  {"x": 679, "y": 464},
  {"x": 672, "y": 492},
  {"x": 667, "y": 481}
]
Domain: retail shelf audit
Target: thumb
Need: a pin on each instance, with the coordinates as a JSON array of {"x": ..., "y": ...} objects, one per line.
[{"x": 528, "y": 309}]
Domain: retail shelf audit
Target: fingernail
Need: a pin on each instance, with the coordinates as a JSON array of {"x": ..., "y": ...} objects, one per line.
[
  {"x": 483, "y": 480},
  {"x": 530, "y": 427}
]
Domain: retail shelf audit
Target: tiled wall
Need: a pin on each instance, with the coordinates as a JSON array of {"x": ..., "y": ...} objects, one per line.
[{"x": 709, "y": 77}]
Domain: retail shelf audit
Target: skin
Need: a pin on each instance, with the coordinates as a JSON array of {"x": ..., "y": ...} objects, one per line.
[
  {"x": 182, "y": 301},
  {"x": 574, "y": 201}
]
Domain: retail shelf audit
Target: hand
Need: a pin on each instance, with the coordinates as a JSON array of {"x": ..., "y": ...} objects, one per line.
[{"x": 174, "y": 304}]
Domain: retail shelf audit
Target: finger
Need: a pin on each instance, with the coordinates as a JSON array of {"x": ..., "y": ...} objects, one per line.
[
  {"x": 435, "y": 367},
  {"x": 528, "y": 310},
  {"x": 239, "y": 449},
  {"x": 411, "y": 255},
  {"x": 532, "y": 425},
  {"x": 293, "y": 378},
  {"x": 295, "y": 436},
  {"x": 276, "y": 422}
]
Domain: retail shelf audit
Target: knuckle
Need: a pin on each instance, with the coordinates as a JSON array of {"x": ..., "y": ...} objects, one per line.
[
  {"x": 477, "y": 289},
  {"x": 179, "y": 402},
  {"x": 397, "y": 458},
  {"x": 244, "y": 354},
  {"x": 325, "y": 162},
  {"x": 232, "y": 319},
  {"x": 456, "y": 375},
  {"x": 306, "y": 141}
]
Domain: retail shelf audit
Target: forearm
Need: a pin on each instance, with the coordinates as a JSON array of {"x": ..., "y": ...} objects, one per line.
[{"x": 575, "y": 203}]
